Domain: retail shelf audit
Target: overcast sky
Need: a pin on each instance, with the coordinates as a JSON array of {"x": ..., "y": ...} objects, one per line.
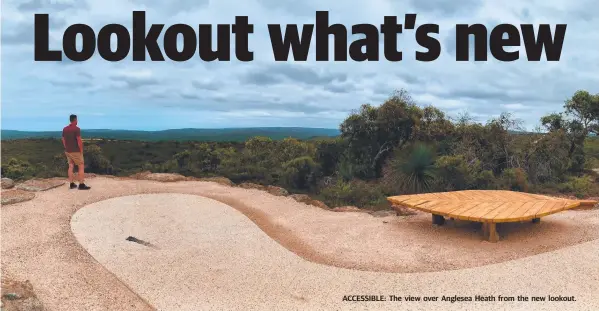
[{"x": 153, "y": 95}]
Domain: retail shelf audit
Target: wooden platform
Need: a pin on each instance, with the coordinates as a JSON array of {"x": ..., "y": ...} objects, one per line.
[{"x": 487, "y": 206}]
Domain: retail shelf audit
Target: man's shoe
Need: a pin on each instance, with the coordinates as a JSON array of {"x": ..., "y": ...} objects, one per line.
[
  {"x": 73, "y": 185},
  {"x": 84, "y": 187}
]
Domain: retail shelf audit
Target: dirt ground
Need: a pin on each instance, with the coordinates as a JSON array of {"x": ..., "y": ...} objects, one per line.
[{"x": 39, "y": 231}]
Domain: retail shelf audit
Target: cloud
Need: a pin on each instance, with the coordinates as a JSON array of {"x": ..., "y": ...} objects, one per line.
[
  {"x": 51, "y": 5},
  {"x": 22, "y": 33},
  {"x": 205, "y": 85},
  {"x": 135, "y": 79},
  {"x": 294, "y": 73},
  {"x": 446, "y": 7},
  {"x": 171, "y": 7}
]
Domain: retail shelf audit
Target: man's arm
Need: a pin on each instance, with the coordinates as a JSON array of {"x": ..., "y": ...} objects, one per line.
[
  {"x": 79, "y": 142},
  {"x": 64, "y": 143}
]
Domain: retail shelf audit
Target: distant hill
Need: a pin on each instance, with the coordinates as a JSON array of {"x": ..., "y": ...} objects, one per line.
[{"x": 227, "y": 134}]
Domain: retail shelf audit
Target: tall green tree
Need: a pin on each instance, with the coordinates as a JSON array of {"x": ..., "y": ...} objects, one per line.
[
  {"x": 373, "y": 132},
  {"x": 580, "y": 118}
]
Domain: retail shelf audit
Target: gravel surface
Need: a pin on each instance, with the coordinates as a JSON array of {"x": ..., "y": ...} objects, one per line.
[{"x": 253, "y": 250}]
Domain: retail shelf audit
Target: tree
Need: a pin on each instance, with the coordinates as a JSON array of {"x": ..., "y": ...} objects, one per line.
[
  {"x": 584, "y": 108},
  {"x": 433, "y": 125},
  {"x": 581, "y": 117},
  {"x": 373, "y": 132}
]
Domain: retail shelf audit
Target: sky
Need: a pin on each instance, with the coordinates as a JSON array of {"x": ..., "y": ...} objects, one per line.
[{"x": 196, "y": 94}]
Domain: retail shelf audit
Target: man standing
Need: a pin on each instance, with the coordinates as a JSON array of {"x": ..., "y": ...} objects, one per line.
[{"x": 73, "y": 147}]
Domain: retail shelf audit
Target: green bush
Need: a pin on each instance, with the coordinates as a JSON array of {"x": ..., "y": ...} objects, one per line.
[
  {"x": 579, "y": 186},
  {"x": 455, "y": 173},
  {"x": 299, "y": 173},
  {"x": 514, "y": 179},
  {"x": 486, "y": 180},
  {"x": 354, "y": 193},
  {"x": 18, "y": 169},
  {"x": 95, "y": 161}
]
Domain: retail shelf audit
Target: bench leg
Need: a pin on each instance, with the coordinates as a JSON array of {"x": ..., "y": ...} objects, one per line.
[
  {"x": 438, "y": 220},
  {"x": 486, "y": 230},
  {"x": 492, "y": 229},
  {"x": 536, "y": 220}
]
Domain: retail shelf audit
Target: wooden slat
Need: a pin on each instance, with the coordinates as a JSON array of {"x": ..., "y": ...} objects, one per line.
[
  {"x": 481, "y": 212},
  {"x": 494, "y": 213},
  {"x": 511, "y": 210}
]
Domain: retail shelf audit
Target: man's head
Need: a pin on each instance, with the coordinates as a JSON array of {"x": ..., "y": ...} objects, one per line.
[{"x": 73, "y": 119}]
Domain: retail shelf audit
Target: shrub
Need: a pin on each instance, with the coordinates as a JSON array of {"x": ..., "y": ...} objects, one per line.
[
  {"x": 486, "y": 180},
  {"x": 95, "y": 161},
  {"x": 455, "y": 173},
  {"x": 579, "y": 186},
  {"x": 356, "y": 193},
  {"x": 412, "y": 170},
  {"x": 299, "y": 173},
  {"x": 18, "y": 169},
  {"x": 514, "y": 179}
]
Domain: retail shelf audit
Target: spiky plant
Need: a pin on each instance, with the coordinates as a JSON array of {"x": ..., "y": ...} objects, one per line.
[{"x": 413, "y": 169}]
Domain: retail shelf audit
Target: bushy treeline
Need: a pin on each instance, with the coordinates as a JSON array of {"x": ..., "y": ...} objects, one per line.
[{"x": 395, "y": 148}]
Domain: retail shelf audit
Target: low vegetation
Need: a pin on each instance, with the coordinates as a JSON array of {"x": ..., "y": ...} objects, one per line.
[{"x": 395, "y": 148}]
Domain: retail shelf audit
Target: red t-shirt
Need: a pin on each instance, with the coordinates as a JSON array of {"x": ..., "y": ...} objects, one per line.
[{"x": 70, "y": 134}]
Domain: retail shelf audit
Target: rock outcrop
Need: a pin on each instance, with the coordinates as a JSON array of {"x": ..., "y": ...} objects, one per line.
[
  {"x": 41, "y": 184},
  {"x": 16, "y": 196},
  {"x": 249, "y": 185},
  {"x": 278, "y": 191},
  {"x": 306, "y": 199},
  {"x": 19, "y": 296},
  {"x": 161, "y": 177},
  {"x": 219, "y": 180},
  {"x": 346, "y": 209},
  {"x": 7, "y": 183}
]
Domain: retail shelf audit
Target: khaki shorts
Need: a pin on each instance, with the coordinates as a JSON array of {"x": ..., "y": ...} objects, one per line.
[{"x": 75, "y": 158}]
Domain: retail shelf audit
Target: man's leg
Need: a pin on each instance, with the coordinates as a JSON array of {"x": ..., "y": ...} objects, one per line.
[
  {"x": 70, "y": 171},
  {"x": 71, "y": 167},
  {"x": 81, "y": 175}
]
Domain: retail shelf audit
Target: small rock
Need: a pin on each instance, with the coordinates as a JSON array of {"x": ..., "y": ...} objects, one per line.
[
  {"x": 318, "y": 204},
  {"x": 141, "y": 175},
  {"x": 16, "y": 196},
  {"x": 302, "y": 198},
  {"x": 345, "y": 209},
  {"x": 41, "y": 184},
  {"x": 7, "y": 183},
  {"x": 403, "y": 211},
  {"x": 11, "y": 296},
  {"x": 383, "y": 213},
  {"x": 306, "y": 199},
  {"x": 219, "y": 180},
  {"x": 278, "y": 191},
  {"x": 163, "y": 177},
  {"x": 249, "y": 185}
]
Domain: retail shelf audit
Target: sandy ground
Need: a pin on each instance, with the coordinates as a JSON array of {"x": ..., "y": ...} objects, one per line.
[{"x": 257, "y": 251}]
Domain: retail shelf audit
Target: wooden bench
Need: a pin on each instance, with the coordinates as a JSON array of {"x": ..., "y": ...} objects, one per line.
[{"x": 489, "y": 207}]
